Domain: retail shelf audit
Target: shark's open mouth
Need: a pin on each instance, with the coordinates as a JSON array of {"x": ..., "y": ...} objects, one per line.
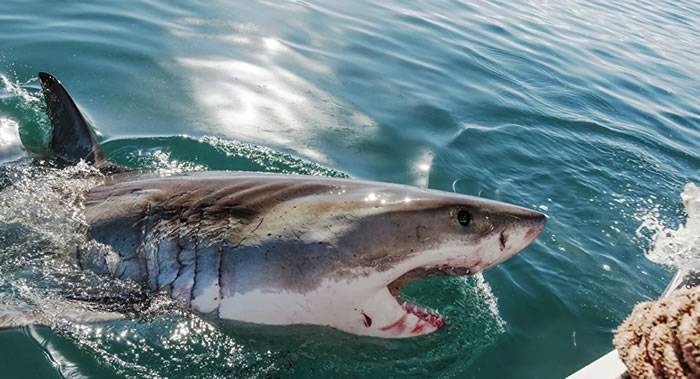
[{"x": 425, "y": 314}]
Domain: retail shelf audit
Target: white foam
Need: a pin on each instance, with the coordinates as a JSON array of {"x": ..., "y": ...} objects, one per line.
[
  {"x": 15, "y": 93},
  {"x": 9, "y": 88},
  {"x": 161, "y": 162},
  {"x": 10, "y": 145},
  {"x": 679, "y": 248},
  {"x": 47, "y": 201},
  {"x": 484, "y": 292}
]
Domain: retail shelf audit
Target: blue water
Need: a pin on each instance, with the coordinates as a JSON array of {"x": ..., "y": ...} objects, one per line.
[{"x": 588, "y": 110}]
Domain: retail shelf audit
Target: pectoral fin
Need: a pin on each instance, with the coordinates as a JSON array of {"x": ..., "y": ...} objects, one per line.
[
  {"x": 51, "y": 313},
  {"x": 13, "y": 316}
]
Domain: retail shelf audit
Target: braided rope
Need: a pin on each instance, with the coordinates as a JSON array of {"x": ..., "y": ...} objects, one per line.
[{"x": 661, "y": 339}]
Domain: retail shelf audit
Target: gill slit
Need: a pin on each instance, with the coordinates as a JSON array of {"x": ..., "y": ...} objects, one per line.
[
  {"x": 220, "y": 250},
  {"x": 195, "y": 245}
]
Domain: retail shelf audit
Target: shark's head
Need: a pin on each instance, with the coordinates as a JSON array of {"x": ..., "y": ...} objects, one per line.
[{"x": 375, "y": 238}]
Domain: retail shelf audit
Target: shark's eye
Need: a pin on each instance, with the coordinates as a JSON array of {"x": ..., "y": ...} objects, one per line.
[{"x": 464, "y": 217}]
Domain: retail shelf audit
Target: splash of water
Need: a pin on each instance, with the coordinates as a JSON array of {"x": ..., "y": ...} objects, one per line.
[
  {"x": 10, "y": 89},
  {"x": 269, "y": 159},
  {"x": 10, "y": 146},
  {"x": 47, "y": 201},
  {"x": 677, "y": 248},
  {"x": 484, "y": 292},
  {"x": 23, "y": 118},
  {"x": 162, "y": 162},
  {"x": 13, "y": 93}
]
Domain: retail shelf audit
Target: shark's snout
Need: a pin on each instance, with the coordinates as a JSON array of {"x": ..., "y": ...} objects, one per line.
[
  {"x": 536, "y": 229},
  {"x": 519, "y": 228},
  {"x": 534, "y": 223}
]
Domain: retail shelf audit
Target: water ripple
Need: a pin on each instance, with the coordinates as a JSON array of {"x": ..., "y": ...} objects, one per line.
[{"x": 586, "y": 109}]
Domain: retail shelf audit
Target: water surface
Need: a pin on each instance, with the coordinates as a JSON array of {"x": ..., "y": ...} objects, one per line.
[{"x": 585, "y": 109}]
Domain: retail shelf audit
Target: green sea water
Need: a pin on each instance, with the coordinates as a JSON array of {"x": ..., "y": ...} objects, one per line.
[{"x": 586, "y": 110}]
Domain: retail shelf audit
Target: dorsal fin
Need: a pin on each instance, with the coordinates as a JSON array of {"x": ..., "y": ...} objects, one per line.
[{"x": 72, "y": 138}]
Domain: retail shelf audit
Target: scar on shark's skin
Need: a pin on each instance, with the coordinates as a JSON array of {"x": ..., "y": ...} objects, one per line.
[
  {"x": 366, "y": 320},
  {"x": 503, "y": 239},
  {"x": 399, "y": 325},
  {"x": 250, "y": 232},
  {"x": 419, "y": 327}
]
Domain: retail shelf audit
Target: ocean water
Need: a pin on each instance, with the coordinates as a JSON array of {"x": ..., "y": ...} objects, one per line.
[{"x": 586, "y": 110}]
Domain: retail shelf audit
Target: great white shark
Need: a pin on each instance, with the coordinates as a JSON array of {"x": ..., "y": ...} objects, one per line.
[{"x": 282, "y": 249}]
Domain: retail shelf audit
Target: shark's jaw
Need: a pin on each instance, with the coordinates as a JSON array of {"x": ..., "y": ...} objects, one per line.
[
  {"x": 431, "y": 319},
  {"x": 364, "y": 305},
  {"x": 403, "y": 318},
  {"x": 410, "y": 319}
]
